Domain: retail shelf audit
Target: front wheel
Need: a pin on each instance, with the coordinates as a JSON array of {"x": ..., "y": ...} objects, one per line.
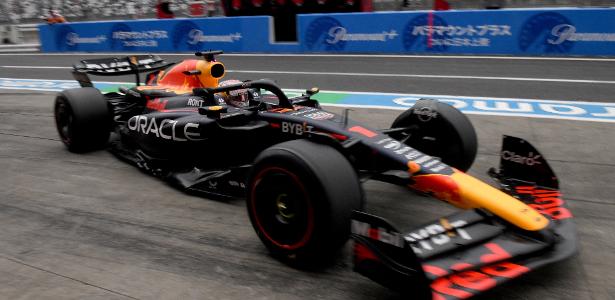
[
  {"x": 438, "y": 129},
  {"x": 300, "y": 199}
]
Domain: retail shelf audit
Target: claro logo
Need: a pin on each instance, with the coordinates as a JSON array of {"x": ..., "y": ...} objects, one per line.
[
  {"x": 167, "y": 129},
  {"x": 528, "y": 160}
]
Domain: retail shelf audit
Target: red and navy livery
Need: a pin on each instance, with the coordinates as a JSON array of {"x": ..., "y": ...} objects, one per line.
[{"x": 301, "y": 170}]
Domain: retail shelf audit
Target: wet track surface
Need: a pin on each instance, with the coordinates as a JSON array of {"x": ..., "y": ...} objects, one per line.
[{"x": 92, "y": 227}]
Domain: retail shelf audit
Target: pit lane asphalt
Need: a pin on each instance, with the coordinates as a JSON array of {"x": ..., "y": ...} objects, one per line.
[{"x": 90, "y": 226}]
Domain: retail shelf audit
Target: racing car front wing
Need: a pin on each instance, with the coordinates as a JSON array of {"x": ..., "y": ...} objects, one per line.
[{"x": 468, "y": 253}]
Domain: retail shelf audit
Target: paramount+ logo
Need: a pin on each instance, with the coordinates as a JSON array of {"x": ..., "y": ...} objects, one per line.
[{"x": 328, "y": 33}]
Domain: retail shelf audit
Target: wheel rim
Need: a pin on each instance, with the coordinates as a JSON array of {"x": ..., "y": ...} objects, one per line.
[
  {"x": 64, "y": 121},
  {"x": 281, "y": 208}
]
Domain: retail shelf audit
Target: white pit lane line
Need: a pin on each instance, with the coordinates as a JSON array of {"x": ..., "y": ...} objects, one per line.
[
  {"x": 491, "y": 106},
  {"x": 562, "y": 80}
]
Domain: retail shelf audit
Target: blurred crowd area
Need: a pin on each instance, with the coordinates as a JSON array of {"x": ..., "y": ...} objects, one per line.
[{"x": 32, "y": 11}]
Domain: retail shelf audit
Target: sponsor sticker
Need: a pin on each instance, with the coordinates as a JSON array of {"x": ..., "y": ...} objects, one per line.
[
  {"x": 435, "y": 235},
  {"x": 196, "y": 102},
  {"x": 166, "y": 129},
  {"x": 529, "y": 160},
  {"x": 426, "y": 162},
  {"x": 296, "y": 129},
  {"x": 380, "y": 234},
  {"x": 117, "y": 66},
  {"x": 320, "y": 115}
]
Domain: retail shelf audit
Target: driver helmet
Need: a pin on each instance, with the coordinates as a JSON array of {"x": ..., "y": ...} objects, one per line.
[{"x": 239, "y": 97}]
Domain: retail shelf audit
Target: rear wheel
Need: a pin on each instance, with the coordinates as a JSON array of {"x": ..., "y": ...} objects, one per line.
[
  {"x": 439, "y": 130},
  {"x": 83, "y": 119},
  {"x": 300, "y": 199}
]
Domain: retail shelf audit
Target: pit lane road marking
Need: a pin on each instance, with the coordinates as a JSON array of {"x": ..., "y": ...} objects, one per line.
[{"x": 533, "y": 108}]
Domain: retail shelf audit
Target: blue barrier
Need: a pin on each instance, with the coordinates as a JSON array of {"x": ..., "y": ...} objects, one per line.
[
  {"x": 517, "y": 32},
  {"x": 237, "y": 34},
  {"x": 514, "y": 32}
]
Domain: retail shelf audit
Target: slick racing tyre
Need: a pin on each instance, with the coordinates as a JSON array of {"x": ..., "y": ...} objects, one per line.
[
  {"x": 300, "y": 199},
  {"x": 439, "y": 130},
  {"x": 83, "y": 119}
]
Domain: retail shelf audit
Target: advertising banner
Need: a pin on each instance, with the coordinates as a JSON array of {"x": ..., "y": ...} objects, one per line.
[
  {"x": 516, "y": 32},
  {"x": 235, "y": 34},
  {"x": 550, "y": 32}
]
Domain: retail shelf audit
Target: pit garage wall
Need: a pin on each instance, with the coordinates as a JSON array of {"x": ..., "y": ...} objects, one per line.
[{"x": 514, "y": 32}]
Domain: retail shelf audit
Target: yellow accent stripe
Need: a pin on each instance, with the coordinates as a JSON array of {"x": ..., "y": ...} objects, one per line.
[{"x": 480, "y": 194}]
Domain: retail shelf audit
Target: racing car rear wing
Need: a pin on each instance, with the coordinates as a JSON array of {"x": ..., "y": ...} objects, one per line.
[{"x": 116, "y": 66}]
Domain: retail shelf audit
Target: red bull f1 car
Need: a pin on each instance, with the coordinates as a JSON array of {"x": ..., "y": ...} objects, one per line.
[{"x": 301, "y": 170}]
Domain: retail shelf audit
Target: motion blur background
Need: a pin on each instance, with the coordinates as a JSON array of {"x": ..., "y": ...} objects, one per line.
[{"x": 24, "y": 11}]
